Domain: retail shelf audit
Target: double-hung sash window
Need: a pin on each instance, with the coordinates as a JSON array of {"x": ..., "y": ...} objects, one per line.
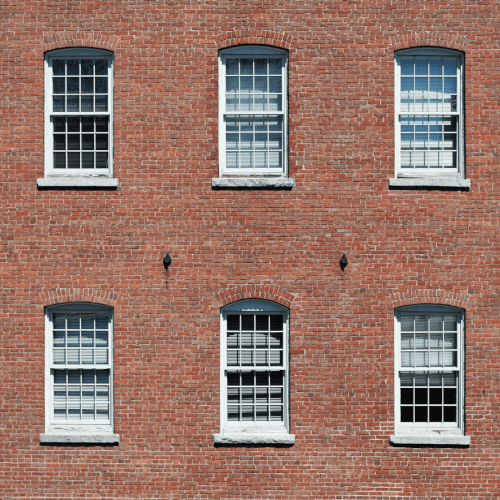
[
  {"x": 429, "y": 370},
  {"x": 78, "y": 113},
  {"x": 79, "y": 369},
  {"x": 253, "y": 111},
  {"x": 429, "y": 113},
  {"x": 254, "y": 367}
]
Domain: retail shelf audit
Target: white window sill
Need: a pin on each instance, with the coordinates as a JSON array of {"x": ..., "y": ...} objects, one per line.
[
  {"x": 69, "y": 182},
  {"x": 83, "y": 438},
  {"x": 253, "y": 182},
  {"x": 424, "y": 182},
  {"x": 431, "y": 439},
  {"x": 254, "y": 437}
]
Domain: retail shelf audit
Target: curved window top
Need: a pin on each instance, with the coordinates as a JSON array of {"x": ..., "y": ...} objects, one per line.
[
  {"x": 431, "y": 308},
  {"x": 255, "y": 305},
  {"x": 80, "y": 306},
  {"x": 432, "y": 51},
  {"x": 78, "y": 51},
  {"x": 254, "y": 50}
]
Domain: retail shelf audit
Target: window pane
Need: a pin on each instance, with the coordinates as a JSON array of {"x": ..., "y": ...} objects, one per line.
[{"x": 101, "y": 67}]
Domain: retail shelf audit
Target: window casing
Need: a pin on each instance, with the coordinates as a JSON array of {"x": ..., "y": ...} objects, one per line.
[
  {"x": 429, "y": 113},
  {"x": 79, "y": 369},
  {"x": 254, "y": 367},
  {"x": 253, "y": 111},
  {"x": 429, "y": 370},
  {"x": 79, "y": 113}
]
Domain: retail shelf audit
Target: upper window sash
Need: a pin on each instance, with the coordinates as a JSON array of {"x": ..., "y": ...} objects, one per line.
[
  {"x": 90, "y": 348},
  {"x": 238, "y": 347},
  {"x": 413, "y": 348}
]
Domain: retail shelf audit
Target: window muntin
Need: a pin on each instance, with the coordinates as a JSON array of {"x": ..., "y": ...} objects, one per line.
[
  {"x": 429, "y": 369},
  {"x": 79, "y": 112},
  {"x": 429, "y": 113},
  {"x": 254, "y": 366},
  {"x": 79, "y": 366},
  {"x": 252, "y": 123}
]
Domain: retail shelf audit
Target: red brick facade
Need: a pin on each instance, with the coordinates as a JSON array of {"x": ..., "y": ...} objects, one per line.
[{"x": 404, "y": 246}]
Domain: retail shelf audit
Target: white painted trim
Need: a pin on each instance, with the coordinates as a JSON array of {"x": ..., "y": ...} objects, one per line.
[
  {"x": 252, "y": 50},
  {"x": 430, "y": 429},
  {"x": 430, "y": 52},
  {"x": 76, "y": 427},
  {"x": 48, "y": 140},
  {"x": 254, "y": 306}
]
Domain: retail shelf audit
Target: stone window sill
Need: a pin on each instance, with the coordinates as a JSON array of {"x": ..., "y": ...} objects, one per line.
[
  {"x": 71, "y": 182},
  {"x": 429, "y": 439},
  {"x": 430, "y": 182},
  {"x": 254, "y": 438},
  {"x": 253, "y": 182},
  {"x": 79, "y": 438}
]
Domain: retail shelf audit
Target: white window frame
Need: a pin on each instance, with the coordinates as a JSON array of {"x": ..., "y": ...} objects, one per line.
[
  {"x": 76, "y": 431},
  {"x": 447, "y": 175},
  {"x": 254, "y": 431},
  {"x": 443, "y": 433},
  {"x": 76, "y": 177},
  {"x": 252, "y": 50}
]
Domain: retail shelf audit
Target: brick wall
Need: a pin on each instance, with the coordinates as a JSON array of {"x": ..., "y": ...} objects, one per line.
[{"x": 404, "y": 247}]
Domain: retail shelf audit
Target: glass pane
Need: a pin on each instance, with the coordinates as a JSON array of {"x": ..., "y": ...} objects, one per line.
[
  {"x": 101, "y": 85},
  {"x": 246, "y": 66},
  {"x": 101, "y": 103},
  {"x": 101, "y": 160},
  {"x": 73, "y": 67},
  {"x": 233, "y": 322},
  {"x": 407, "y": 66},
  {"x": 275, "y": 65},
  {"x": 59, "y": 160},
  {"x": 58, "y": 85},
  {"x": 73, "y": 85},
  {"x": 73, "y": 104},
  {"x": 86, "y": 66},
  {"x": 232, "y": 67},
  {"x": 101, "y": 67},
  {"x": 58, "y": 66},
  {"x": 407, "y": 414}
]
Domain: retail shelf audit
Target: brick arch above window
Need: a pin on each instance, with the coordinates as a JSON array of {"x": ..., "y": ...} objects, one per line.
[
  {"x": 429, "y": 296},
  {"x": 67, "y": 295},
  {"x": 80, "y": 39},
  {"x": 253, "y": 37},
  {"x": 429, "y": 39},
  {"x": 265, "y": 292}
]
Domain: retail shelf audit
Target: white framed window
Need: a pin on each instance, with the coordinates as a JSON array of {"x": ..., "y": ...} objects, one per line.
[
  {"x": 254, "y": 373},
  {"x": 429, "y": 374},
  {"x": 79, "y": 114},
  {"x": 79, "y": 373},
  {"x": 253, "y": 111},
  {"x": 429, "y": 115}
]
